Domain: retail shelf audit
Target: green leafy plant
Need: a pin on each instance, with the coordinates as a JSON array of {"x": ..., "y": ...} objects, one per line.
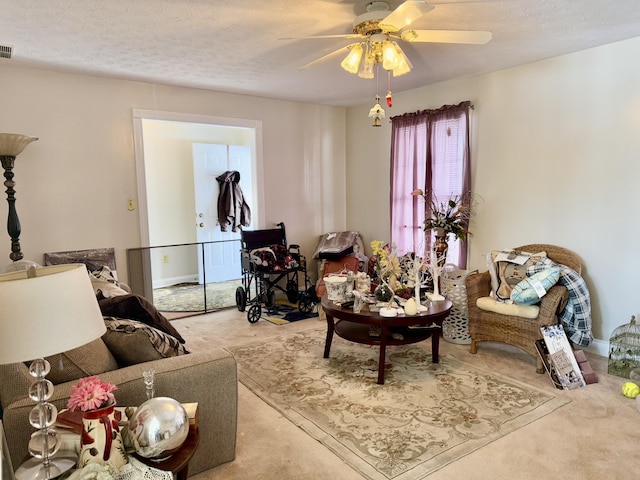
[{"x": 452, "y": 215}]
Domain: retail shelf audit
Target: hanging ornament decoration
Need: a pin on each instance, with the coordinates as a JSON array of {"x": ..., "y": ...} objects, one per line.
[
  {"x": 389, "y": 99},
  {"x": 376, "y": 113}
]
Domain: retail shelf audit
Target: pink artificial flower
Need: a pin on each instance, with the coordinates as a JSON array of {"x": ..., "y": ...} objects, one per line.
[{"x": 90, "y": 394}]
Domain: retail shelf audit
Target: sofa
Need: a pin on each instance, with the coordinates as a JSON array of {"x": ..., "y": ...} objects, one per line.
[{"x": 208, "y": 378}]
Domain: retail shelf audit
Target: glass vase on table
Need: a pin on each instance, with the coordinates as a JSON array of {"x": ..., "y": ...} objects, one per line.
[{"x": 149, "y": 377}]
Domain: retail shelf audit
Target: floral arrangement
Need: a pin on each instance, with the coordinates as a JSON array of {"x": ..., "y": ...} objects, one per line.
[
  {"x": 91, "y": 394},
  {"x": 451, "y": 216},
  {"x": 387, "y": 265}
]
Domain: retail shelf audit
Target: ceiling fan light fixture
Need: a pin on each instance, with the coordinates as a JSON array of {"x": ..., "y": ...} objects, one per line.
[
  {"x": 390, "y": 57},
  {"x": 404, "y": 15},
  {"x": 351, "y": 62},
  {"x": 404, "y": 64},
  {"x": 366, "y": 67}
]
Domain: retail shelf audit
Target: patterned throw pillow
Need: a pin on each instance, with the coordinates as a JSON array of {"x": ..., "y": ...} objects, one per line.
[
  {"x": 533, "y": 288},
  {"x": 132, "y": 342},
  {"x": 509, "y": 269},
  {"x": 105, "y": 283}
]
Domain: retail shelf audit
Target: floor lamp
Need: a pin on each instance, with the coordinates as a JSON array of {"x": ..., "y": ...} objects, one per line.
[
  {"x": 11, "y": 145},
  {"x": 45, "y": 311}
]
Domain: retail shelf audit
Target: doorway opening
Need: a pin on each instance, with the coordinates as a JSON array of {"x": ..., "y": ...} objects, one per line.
[{"x": 178, "y": 157}]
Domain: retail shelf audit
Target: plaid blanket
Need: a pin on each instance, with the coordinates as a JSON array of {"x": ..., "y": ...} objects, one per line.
[{"x": 576, "y": 317}]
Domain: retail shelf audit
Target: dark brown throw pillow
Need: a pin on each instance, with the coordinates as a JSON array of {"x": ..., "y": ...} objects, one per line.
[{"x": 135, "y": 307}]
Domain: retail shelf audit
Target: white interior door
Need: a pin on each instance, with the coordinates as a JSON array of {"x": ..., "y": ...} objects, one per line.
[{"x": 221, "y": 260}]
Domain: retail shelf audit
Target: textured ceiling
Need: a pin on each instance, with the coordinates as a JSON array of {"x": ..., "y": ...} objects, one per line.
[{"x": 234, "y": 46}]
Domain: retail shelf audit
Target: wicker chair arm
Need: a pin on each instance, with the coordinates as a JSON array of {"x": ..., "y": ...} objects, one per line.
[
  {"x": 478, "y": 285},
  {"x": 552, "y": 305}
]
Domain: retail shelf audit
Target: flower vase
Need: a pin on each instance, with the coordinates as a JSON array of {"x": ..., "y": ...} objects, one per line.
[
  {"x": 101, "y": 439},
  {"x": 441, "y": 246}
]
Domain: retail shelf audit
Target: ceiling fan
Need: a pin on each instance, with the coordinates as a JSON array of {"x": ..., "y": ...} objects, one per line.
[{"x": 378, "y": 29}]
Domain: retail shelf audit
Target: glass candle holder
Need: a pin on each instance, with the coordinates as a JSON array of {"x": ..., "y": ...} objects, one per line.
[{"x": 148, "y": 377}]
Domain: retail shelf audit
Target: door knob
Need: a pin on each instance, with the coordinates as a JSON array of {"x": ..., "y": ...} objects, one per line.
[{"x": 201, "y": 225}]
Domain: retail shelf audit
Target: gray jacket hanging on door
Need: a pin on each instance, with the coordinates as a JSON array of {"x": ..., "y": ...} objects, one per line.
[{"x": 233, "y": 210}]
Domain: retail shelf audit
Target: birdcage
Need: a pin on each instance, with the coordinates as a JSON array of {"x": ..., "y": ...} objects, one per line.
[{"x": 624, "y": 349}]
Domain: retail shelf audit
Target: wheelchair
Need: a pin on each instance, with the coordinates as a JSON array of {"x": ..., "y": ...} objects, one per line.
[{"x": 270, "y": 265}]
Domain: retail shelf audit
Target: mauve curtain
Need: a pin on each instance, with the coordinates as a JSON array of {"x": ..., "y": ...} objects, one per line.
[
  {"x": 408, "y": 167},
  {"x": 429, "y": 150}
]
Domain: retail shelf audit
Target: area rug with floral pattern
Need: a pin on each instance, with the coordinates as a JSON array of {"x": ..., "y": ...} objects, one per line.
[
  {"x": 190, "y": 297},
  {"x": 424, "y": 417}
]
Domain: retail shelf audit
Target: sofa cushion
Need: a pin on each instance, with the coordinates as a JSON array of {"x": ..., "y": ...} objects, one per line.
[
  {"x": 510, "y": 268},
  {"x": 93, "y": 358},
  {"x": 490, "y": 304},
  {"x": 132, "y": 342},
  {"x": 136, "y": 307},
  {"x": 533, "y": 288}
]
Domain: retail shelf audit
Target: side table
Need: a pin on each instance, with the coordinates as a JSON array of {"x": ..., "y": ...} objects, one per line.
[{"x": 178, "y": 463}]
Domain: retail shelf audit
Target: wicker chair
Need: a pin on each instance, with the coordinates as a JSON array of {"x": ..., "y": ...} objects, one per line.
[{"x": 485, "y": 326}]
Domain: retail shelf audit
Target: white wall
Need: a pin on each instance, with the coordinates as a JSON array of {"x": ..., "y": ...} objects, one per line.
[
  {"x": 555, "y": 160},
  {"x": 73, "y": 184}
]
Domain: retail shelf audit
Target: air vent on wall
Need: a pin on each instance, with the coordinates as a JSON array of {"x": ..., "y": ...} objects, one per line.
[{"x": 5, "y": 51}]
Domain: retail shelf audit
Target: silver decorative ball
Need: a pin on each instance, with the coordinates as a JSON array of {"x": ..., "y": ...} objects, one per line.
[{"x": 158, "y": 428}]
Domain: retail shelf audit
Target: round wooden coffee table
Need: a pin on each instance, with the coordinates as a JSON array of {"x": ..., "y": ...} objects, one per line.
[{"x": 355, "y": 327}]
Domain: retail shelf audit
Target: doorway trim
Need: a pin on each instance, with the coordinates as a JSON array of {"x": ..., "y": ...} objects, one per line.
[{"x": 138, "y": 115}]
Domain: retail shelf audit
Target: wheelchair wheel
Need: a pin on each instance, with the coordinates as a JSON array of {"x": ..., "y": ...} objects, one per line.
[
  {"x": 305, "y": 305},
  {"x": 253, "y": 315},
  {"x": 292, "y": 291},
  {"x": 311, "y": 292},
  {"x": 241, "y": 299}
]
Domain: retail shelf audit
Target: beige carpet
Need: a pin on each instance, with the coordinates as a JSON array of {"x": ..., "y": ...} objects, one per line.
[
  {"x": 595, "y": 436},
  {"x": 425, "y": 415}
]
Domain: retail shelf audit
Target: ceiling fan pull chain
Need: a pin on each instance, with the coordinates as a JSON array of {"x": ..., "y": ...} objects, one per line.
[{"x": 389, "y": 99}]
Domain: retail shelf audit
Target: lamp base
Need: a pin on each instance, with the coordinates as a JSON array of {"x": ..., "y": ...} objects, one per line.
[{"x": 33, "y": 469}]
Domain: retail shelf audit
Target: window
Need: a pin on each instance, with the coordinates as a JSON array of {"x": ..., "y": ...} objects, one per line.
[{"x": 429, "y": 151}]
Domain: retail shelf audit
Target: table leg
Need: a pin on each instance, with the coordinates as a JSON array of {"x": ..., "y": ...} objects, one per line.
[
  {"x": 330, "y": 329},
  {"x": 383, "y": 351},
  {"x": 183, "y": 474},
  {"x": 435, "y": 345}
]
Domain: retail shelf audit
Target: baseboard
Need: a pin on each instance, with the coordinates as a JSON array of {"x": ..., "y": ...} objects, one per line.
[
  {"x": 167, "y": 282},
  {"x": 597, "y": 347}
]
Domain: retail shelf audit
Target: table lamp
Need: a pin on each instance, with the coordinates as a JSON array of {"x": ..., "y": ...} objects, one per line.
[
  {"x": 6, "y": 470},
  {"x": 45, "y": 311}
]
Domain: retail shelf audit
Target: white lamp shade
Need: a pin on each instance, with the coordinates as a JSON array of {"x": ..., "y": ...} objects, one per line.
[{"x": 45, "y": 311}]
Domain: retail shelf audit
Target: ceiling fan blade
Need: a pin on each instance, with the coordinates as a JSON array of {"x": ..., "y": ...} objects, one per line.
[
  {"x": 328, "y": 56},
  {"x": 447, "y": 36},
  {"x": 313, "y": 37},
  {"x": 405, "y": 14}
]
